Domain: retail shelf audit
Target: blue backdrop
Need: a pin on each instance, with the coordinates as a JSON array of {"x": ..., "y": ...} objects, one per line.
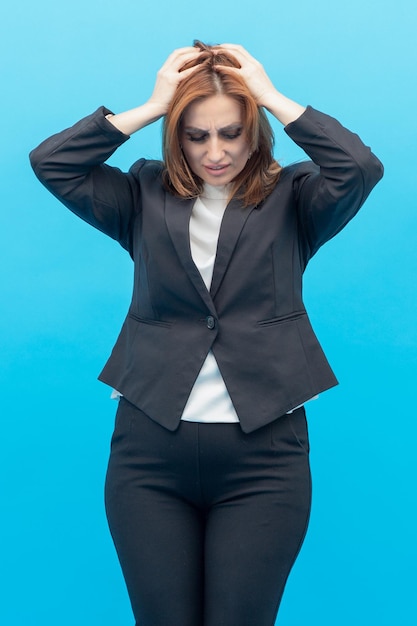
[{"x": 65, "y": 289}]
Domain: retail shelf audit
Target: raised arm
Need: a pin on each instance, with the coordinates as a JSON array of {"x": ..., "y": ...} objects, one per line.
[
  {"x": 71, "y": 164},
  {"x": 329, "y": 193}
]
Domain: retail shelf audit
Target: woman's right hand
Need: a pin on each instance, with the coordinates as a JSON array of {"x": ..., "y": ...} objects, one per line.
[
  {"x": 169, "y": 76},
  {"x": 168, "y": 79}
]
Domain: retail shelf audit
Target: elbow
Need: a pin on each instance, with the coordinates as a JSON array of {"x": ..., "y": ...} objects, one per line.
[
  {"x": 367, "y": 171},
  {"x": 372, "y": 170},
  {"x": 33, "y": 159},
  {"x": 36, "y": 162},
  {"x": 376, "y": 168},
  {"x": 41, "y": 159}
]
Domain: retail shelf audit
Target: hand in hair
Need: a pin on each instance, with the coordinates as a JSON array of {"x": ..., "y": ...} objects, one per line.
[
  {"x": 184, "y": 62},
  {"x": 250, "y": 70},
  {"x": 171, "y": 74},
  {"x": 168, "y": 79},
  {"x": 260, "y": 85}
]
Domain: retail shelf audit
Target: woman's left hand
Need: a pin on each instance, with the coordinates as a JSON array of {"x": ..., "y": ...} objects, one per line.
[
  {"x": 260, "y": 85},
  {"x": 253, "y": 73}
]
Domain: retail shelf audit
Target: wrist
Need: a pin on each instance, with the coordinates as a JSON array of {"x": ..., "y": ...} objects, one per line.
[
  {"x": 133, "y": 120},
  {"x": 154, "y": 109},
  {"x": 284, "y": 109},
  {"x": 270, "y": 99}
]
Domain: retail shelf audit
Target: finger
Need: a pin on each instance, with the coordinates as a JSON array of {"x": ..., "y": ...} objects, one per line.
[
  {"x": 183, "y": 54},
  {"x": 227, "y": 69},
  {"x": 185, "y": 50},
  {"x": 184, "y": 73},
  {"x": 233, "y": 47},
  {"x": 239, "y": 52},
  {"x": 177, "y": 59}
]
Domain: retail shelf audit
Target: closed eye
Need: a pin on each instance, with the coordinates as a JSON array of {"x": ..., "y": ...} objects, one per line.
[
  {"x": 231, "y": 136},
  {"x": 198, "y": 138},
  {"x": 229, "y": 133}
]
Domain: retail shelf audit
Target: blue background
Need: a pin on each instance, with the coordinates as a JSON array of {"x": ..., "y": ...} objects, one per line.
[{"x": 65, "y": 289}]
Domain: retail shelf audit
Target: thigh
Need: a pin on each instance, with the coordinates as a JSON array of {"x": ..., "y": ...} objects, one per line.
[
  {"x": 253, "y": 535},
  {"x": 158, "y": 535}
]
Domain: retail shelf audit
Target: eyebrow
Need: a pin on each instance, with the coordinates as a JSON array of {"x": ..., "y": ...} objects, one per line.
[{"x": 194, "y": 129}]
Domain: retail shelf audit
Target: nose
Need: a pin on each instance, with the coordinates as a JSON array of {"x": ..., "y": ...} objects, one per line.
[{"x": 215, "y": 150}]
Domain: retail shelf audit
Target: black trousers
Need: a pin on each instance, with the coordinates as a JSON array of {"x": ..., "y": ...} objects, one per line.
[{"x": 207, "y": 520}]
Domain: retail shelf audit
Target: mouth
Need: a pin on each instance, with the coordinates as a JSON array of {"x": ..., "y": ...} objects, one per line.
[{"x": 216, "y": 170}]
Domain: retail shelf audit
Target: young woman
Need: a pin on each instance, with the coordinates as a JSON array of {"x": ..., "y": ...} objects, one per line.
[{"x": 208, "y": 486}]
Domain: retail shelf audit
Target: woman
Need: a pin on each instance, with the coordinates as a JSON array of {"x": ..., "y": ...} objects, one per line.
[{"x": 208, "y": 484}]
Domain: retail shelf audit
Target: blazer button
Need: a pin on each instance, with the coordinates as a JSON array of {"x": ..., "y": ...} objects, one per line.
[{"x": 211, "y": 322}]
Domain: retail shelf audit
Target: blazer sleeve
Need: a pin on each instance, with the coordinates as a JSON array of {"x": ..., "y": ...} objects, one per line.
[
  {"x": 330, "y": 192},
  {"x": 71, "y": 166}
]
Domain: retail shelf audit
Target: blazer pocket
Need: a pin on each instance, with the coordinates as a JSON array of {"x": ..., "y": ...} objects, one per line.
[
  {"x": 151, "y": 322},
  {"x": 290, "y": 317}
]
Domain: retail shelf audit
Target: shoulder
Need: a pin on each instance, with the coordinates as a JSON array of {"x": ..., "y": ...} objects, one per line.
[
  {"x": 301, "y": 168},
  {"x": 147, "y": 170},
  {"x": 294, "y": 174}
]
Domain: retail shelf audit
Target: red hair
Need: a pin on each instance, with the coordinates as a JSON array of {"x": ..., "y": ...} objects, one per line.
[{"x": 261, "y": 172}]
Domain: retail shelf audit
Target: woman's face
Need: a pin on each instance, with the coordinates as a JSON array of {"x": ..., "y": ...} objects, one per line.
[{"x": 214, "y": 140}]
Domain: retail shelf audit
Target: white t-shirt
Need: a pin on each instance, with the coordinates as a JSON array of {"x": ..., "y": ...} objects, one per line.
[{"x": 209, "y": 400}]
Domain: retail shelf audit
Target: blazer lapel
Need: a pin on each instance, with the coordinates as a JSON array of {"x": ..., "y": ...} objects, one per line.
[
  {"x": 177, "y": 218},
  {"x": 233, "y": 221}
]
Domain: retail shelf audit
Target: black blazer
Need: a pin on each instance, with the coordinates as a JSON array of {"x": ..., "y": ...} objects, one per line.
[{"x": 253, "y": 318}]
